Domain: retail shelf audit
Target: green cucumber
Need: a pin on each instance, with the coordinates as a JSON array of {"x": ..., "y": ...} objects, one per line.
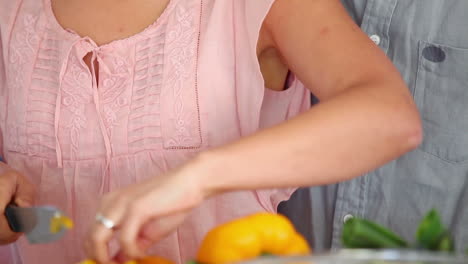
[{"x": 361, "y": 233}]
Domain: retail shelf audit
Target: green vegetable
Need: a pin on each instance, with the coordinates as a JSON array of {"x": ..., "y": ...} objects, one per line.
[
  {"x": 430, "y": 235},
  {"x": 430, "y": 231},
  {"x": 361, "y": 233}
]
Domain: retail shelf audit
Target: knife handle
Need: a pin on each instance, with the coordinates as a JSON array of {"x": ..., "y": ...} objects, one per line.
[
  {"x": 10, "y": 215},
  {"x": 12, "y": 219}
]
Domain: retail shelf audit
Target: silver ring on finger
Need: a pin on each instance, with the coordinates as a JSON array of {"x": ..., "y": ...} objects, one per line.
[{"x": 106, "y": 222}]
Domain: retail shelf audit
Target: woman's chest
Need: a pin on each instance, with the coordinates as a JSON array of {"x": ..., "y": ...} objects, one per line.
[
  {"x": 106, "y": 21},
  {"x": 134, "y": 95}
]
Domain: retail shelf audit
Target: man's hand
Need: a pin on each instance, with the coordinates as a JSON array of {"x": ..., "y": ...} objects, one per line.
[{"x": 14, "y": 187}]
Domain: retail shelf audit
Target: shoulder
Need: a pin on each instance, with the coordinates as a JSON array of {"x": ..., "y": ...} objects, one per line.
[
  {"x": 303, "y": 12},
  {"x": 308, "y": 20}
]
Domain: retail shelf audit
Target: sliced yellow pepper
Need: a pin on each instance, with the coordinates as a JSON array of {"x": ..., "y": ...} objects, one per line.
[
  {"x": 60, "y": 222},
  {"x": 154, "y": 260},
  {"x": 145, "y": 260},
  {"x": 250, "y": 237},
  {"x": 88, "y": 261}
]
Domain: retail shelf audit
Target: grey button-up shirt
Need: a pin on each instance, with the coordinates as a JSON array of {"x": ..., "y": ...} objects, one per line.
[{"x": 427, "y": 40}]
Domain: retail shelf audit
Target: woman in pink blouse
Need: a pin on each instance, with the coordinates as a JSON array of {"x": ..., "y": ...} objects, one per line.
[{"x": 188, "y": 100}]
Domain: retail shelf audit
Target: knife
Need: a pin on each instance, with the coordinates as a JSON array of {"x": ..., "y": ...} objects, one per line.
[{"x": 39, "y": 224}]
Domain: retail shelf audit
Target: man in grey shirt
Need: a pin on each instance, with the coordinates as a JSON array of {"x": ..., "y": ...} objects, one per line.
[{"x": 428, "y": 41}]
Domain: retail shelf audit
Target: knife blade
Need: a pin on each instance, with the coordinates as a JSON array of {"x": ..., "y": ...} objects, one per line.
[{"x": 37, "y": 223}]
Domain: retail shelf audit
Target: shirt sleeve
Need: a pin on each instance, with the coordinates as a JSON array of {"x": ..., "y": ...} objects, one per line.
[
  {"x": 8, "y": 13},
  {"x": 3, "y": 96}
]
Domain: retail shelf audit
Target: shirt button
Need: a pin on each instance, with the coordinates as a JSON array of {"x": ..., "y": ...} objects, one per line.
[
  {"x": 376, "y": 39},
  {"x": 347, "y": 217}
]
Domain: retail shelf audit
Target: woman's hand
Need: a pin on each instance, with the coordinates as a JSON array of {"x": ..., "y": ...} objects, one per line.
[
  {"x": 14, "y": 187},
  {"x": 144, "y": 213}
]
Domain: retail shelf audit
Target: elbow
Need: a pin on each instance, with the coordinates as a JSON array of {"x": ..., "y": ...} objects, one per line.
[
  {"x": 410, "y": 130},
  {"x": 403, "y": 120},
  {"x": 414, "y": 135}
]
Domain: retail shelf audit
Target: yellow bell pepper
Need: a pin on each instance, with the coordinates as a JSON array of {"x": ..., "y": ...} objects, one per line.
[{"x": 250, "y": 237}]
